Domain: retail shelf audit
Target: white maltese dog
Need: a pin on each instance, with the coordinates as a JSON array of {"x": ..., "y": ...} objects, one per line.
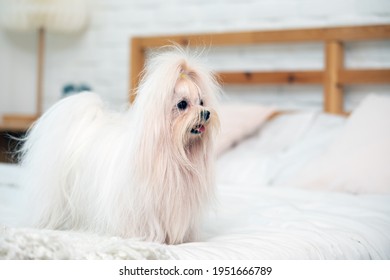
[{"x": 146, "y": 173}]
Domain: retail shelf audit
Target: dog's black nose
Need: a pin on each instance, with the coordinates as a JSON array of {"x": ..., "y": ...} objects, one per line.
[{"x": 205, "y": 115}]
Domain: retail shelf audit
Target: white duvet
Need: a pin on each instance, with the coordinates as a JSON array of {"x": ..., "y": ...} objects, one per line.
[{"x": 257, "y": 216}]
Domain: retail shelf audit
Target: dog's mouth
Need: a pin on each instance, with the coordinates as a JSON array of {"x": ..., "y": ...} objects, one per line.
[{"x": 198, "y": 129}]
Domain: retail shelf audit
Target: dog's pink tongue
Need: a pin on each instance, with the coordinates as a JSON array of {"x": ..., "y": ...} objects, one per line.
[{"x": 202, "y": 128}]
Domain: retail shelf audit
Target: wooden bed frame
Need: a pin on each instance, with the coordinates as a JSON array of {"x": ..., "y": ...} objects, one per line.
[{"x": 333, "y": 77}]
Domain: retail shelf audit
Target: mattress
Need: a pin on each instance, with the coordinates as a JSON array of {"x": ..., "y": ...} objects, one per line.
[{"x": 257, "y": 215}]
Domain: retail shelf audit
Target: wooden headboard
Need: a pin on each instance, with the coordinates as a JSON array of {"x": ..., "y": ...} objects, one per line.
[{"x": 333, "y": 77}]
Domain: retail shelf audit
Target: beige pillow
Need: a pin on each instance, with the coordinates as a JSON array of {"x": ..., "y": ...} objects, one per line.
[
  {"x": 239, "y": 121},
  {"x": 359, "y": 160}
]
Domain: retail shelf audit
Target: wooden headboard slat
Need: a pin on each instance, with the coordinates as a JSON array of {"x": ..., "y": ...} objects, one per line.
[
  {"x": 365, "y": 76},
  {"x": 333, "y": 77},
  {"x": 274, "y": 77},
  {"x": 272, "y": 36},
  {"x": 346, "y": 77},
  {"x": 333, "y": 88}
]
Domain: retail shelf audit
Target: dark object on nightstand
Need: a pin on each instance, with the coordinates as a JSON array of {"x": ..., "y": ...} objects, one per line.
[{"x": 69, "y": 89}]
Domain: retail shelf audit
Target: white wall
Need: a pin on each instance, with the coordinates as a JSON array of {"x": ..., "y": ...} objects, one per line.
[{"x": 99, "y": 56}]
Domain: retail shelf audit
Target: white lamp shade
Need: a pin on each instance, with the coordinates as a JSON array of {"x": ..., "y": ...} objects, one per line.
[{"x": 53, "y": 15}]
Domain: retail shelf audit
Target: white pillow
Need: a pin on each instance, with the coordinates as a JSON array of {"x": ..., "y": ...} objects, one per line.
[
  {"x": 239, "y": 121},
  {"x": 9, "y": 175},
  {"x": 280, "y": 149},
  {"x": 359, "y": 159}
]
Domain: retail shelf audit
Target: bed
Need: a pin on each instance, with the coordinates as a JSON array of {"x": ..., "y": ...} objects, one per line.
[{"x": 290, "y": 185}]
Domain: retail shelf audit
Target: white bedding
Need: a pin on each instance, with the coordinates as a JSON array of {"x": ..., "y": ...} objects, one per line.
[
  {"x": 257, "y": 215},
  {"x": 280, "y": 149}
]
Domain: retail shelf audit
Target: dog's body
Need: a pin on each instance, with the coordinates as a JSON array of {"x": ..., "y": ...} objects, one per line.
[{"x": 145, "y": 173}]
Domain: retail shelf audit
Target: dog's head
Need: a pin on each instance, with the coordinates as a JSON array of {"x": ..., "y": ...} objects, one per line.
[
  {"x": 193, "y": 116},
  {"x": 179, "y": 96}
]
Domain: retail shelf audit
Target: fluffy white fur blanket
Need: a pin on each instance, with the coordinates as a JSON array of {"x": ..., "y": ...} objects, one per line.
[{"x": 19, "y": 243}]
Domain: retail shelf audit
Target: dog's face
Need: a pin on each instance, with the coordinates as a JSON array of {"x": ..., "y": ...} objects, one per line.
[{"x": 192, "y": 117}]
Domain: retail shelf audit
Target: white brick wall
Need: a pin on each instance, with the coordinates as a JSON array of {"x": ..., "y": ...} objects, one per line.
[{"x": 99, "y": 56}]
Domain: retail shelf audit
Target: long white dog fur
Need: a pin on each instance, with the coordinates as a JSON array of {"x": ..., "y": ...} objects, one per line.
[{"x": 147, "y": 172}]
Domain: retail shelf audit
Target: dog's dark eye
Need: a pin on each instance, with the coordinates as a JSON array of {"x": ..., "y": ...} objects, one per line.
[
  {"x": 182, "y": 105},
  {"x": 201, "y": 102}
]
